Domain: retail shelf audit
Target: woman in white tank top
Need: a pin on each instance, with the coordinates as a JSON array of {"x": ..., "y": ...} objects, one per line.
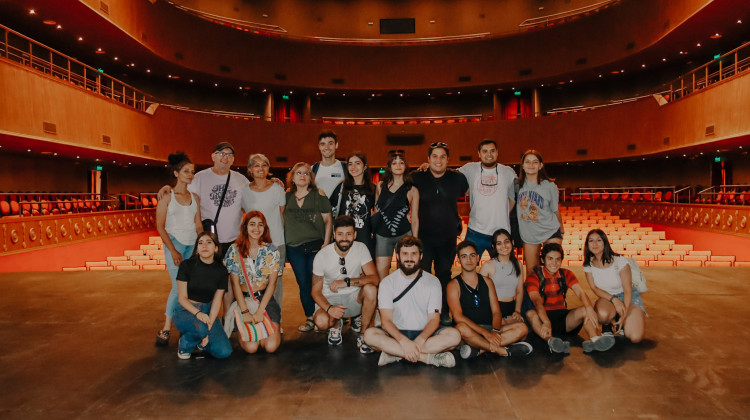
[
  {"x": 178, "y": 222},
  {"x": 507, "y": 276}
]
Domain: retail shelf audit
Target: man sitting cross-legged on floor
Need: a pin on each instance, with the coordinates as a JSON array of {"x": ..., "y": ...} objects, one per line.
[
  {"x": 410, "y": 300},
  {"x": 548, "y": 314},
  {"x": 473, "y": 303},
  {"x": 345, "y": 284}
]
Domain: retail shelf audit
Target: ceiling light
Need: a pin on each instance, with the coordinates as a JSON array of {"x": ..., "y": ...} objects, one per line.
[
  {"x": 169, "y": 76},
  {"x": 432, "y": 21},
  {"x": 59, "y": 26},
  {"x": 32, "y": 11},
  {"x": 698, "y": 44},
  {"x": 265, "y": 15},
  {"x": 600, "y": 75},
  {"x": 191, "y": 80},
  {"x": 116, "y": 58},
  {"x": 80, "y": 38},
  {"x": 216, "y": 85},
  {"x": 28, "y": 150},
  {"x": 78, "y": 157},
  {"x": 343, "y": 94},
  {"x": 571, "y": 80},
  {"x": 401, "y": 95},
  {"x": 643, "y": 66},
  {"x": 716, "y": 36},
  {"x": 148, "y": 70},
  {"x": 663, "y": 59},
  {"x": 739, "y": 20},
  {"x": 100, "y": 51},
  {"x": 55, "y": 153}
]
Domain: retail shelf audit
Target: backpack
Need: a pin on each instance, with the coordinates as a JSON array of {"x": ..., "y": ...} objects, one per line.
[
  {"x": 560, "y": 282},
  {"x": 637, "y": 277},
  {"x": 316, "y": 166}
]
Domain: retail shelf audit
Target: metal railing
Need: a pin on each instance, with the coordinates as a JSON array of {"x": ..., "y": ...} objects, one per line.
[
  {"x": 665, "y": 193},
  {"x": 738, "y": 194},
  {"x": 43, "y": 203},
  {"x": 567, "y": 15},
  {"x": 726, "y": 66},
  {"x": 27, "y": 52},
  {"x": 444, "y": 119}
]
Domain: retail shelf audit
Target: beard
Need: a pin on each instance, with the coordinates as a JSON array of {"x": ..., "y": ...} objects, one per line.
[
  {"x": 343, "y": 246},
  {"x": 408, "y": 270}
]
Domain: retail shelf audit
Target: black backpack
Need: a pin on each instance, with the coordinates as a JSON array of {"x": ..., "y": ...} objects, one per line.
[{"x": 560, "y": 281}]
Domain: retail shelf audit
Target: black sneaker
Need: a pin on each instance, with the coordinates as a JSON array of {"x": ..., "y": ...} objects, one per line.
[
  {"x": 520, "y": 348},
  {"x": 601, "y": 343}
]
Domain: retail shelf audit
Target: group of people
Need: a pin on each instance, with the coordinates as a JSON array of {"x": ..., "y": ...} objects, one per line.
[{"x": 227, "y": 238}]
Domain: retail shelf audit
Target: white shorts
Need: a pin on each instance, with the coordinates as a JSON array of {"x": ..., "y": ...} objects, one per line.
[{"x": 353, "y": 308}]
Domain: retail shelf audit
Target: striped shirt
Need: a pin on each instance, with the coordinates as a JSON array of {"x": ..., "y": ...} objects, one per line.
[{"x": 555, "y": 299}]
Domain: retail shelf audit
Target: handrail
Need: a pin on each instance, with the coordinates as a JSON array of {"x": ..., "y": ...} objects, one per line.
[
  {"x": 75, "y": 202},
  {"x": 562, "y": 16},
  {"x": 400, "y": 120},
  {"x": 60, "y": 66},
  {"x": 577, "y": 108},
  {"x": 704, "y": 75}
]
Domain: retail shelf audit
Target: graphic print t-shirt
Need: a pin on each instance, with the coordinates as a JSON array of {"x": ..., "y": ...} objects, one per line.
[
  {"x": 209, "y": 186},
  {"x": 537, "y": 204}
]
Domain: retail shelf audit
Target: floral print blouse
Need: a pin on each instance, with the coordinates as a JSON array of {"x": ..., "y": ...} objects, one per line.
[{"x": 266, "y": 262}]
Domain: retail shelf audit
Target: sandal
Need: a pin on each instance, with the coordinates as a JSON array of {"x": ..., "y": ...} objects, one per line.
[
  {"x": 307, "y": 326},
  {"x": 162, "y": 339}
]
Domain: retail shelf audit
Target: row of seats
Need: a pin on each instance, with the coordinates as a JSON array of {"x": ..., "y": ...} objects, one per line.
[
  {"x": 148, "y": 257},
  {"x": 735, "y": 197},
  {"x": 635, "y": 196},
  {"x": 43, "y": 204}
]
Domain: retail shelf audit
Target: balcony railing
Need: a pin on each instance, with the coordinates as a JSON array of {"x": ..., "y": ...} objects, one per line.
[
  {"x": 25, "y": 51},
  {"x": 726, "y": 66}
]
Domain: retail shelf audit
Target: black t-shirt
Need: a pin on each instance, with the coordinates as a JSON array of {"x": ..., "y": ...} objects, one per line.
[
  {"x": 202, "y": 279},
  {"x": 438, "y": 211},
  {"x": 358, "y": 204}
]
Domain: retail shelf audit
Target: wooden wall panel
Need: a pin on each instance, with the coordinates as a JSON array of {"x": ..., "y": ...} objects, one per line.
[
  {"x": 733, "y": 220},
  {"x": 29, "y": 98},
  {"x": 21, "y": 234}
]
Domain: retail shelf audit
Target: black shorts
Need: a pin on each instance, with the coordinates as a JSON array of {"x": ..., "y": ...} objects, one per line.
[
  {"x": 557, "y": 319},
  {"x": 556, "y": 235},
  {"x": 507, "y": 308}
]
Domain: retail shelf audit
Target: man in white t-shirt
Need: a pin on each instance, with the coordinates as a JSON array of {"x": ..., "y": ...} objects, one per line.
[
  {"x": 329, "y": 172},
  {"x": 410, "y": 301},
  {"x": 345, "y": 284},
  {"x": 491, "y": 196}
]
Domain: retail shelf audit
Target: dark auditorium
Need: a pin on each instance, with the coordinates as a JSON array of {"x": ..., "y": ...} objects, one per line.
[{"x": 405, "y": 209}]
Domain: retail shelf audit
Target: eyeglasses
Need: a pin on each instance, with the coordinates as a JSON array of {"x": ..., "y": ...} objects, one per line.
[
  {"x": 342, "y": 263},
  {"x": 481, "y": 177},
  {"x": 438, "y": 144},
  {"x": 224, "y": 154}
]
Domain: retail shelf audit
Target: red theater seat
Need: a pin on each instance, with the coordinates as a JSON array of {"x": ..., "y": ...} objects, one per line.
[{"x": 4, "y": 208}]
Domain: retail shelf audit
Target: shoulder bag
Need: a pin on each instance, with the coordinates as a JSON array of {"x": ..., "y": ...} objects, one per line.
[{"x": 251, "y": 331}]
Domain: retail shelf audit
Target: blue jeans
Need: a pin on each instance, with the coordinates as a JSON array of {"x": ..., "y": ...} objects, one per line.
[
  {"x": 278, "y": 294},
  {"x": 194, "y": 331},
  {"x": 186, "y": 251},
  {"x": 302, "y": 265},
  {"x": 482, "y": 241}
]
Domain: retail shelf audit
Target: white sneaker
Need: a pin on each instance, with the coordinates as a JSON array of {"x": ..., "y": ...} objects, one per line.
[
  {"x": 183, "y": 356},
  {"x": 444, "y": 359},
  {"x": 386, "y": 359},
  {"x": 557, "y": 345},
  {"x": 334, "y": 334}
]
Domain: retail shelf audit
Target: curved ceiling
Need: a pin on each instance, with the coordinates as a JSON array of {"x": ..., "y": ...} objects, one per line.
[{"x": 361, "y": 19}]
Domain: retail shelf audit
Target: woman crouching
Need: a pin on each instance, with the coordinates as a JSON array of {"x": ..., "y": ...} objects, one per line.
[
  {"x": 201, "y": 283},
  {"x": 253, "y": 265}
]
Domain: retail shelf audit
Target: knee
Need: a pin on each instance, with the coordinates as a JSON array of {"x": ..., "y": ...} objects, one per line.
[
  {"x": 321, "y": 320},
  {"x": 452, "y": 335},
  {"x": 634, "y": 336},
  {"x": 520, "y": 329},
  {"x": 463, "y": 329},
  {"x": 370, "y": 335},
  {"x": 222, "y": 352},
  {"x": 370, "y": 292},
  {"x": 272, "y": 343},
  {"x": 249, "y": 347}
]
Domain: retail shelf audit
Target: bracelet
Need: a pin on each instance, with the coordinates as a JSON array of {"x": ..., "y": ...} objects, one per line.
[
  {"x": 329, "y": 307},
  {"x": 246, "y": 311},
  {"x": 196, "y": 314},
  {"x": 610, "y": 299}
]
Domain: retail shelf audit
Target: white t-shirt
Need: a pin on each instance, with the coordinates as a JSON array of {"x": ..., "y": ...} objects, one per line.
[
  {"x": 328, "y": 177},
  {"x": 209, "y": 186},
  {"x": 268, "y": 203},
  {"x": 489, "y": 191},
  {"x": 411, "y": 312},
  {"x": 327, "y": 264},
  {"x": 608, "y": 279}
]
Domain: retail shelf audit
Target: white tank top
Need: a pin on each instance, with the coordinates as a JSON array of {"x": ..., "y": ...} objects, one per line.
[
  {"x": 181, "y": 220},
  {"x": 505, "y": 279}
]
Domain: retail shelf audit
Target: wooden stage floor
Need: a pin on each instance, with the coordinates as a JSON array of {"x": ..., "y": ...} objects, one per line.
[{"x": 81, "y": 345}]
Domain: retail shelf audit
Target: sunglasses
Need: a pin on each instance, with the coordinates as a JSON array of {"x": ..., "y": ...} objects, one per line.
[
  {"x": 438, "y": 144},
  {"x": 342, "y": 263}
]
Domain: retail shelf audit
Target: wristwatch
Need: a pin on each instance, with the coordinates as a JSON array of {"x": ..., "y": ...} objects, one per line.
[{"x": 348, "y": 281}]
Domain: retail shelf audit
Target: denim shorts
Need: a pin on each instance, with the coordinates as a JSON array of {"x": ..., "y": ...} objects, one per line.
[{"x": 635, "y": 300}]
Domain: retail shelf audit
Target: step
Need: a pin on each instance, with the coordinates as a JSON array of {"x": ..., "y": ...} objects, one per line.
[
  {"x": 118, "y": 258},
  {"x": 132, "y": 252},
  {"x": 127, "y": 267},
  {"x": 155, "y": 267},
  {"x": 74, "y": 269},
  {"x": 90, "y": 264},
  {"x": 101, "y": 268}
]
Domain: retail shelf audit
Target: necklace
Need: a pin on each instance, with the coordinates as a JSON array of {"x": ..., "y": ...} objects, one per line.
[
  {"x": 474, "y": 292},
  {"x": 511, "y": 269}
]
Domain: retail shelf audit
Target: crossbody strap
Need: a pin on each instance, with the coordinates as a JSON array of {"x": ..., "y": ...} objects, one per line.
[
  {"x": 244, "y": 271},
  {"x": 221, "y": 202},
  {"x": 408, "y": 287}
]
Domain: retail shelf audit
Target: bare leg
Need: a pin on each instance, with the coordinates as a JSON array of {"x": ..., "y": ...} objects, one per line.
[
  {"x": 167, "y": 323},
  {"x": 536, "y": 324},
  {"x": 273, "y": 342},
  {"x": 605, "y": 311},
  {"x": 513, "y": 333},
  {"x": 446, "y": 339},
  {"x": 635, "y": 324},
  {"x": 531, "y": 256},
  {"x": 368, "y": 298},
  {"x": 380, "y": 340},
  {"x": 576, "y": 317},
  {"x": 383, "y": 266},
  {"x": 322, "y": 320}
]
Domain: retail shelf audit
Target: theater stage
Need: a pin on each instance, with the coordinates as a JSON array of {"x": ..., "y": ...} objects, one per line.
[{"x": 81, "y": 345}]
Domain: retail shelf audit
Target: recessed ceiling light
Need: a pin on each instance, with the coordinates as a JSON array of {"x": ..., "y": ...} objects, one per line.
[
  {"x": 265, "y": 15},
  {"x": 28, "y": 150},
  {"x": 148, "y": 70},
  {"x": 116, "y": 58},
  {"x": 643, "y": 66},
  {"x": 663, "y": 59},
  {"x": 59, "y": 26},
  {"x": 78, "y": 157},
  {"x": 32, "y": 11},
  {"x": 343, "y": 94},
  {"x": 216, "y": 85},
  {"x": 191, "y": 80},
  {"x": 80, "y": 38},
  {"x": 600, "y": 75},
  {"x": 698, "y": 44},
  {"x": 55, "y": 153},
  {"x": 100, "y": 51},
  {"x": 716, "y": 36},
  {"x": 739, "y": 20}
]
